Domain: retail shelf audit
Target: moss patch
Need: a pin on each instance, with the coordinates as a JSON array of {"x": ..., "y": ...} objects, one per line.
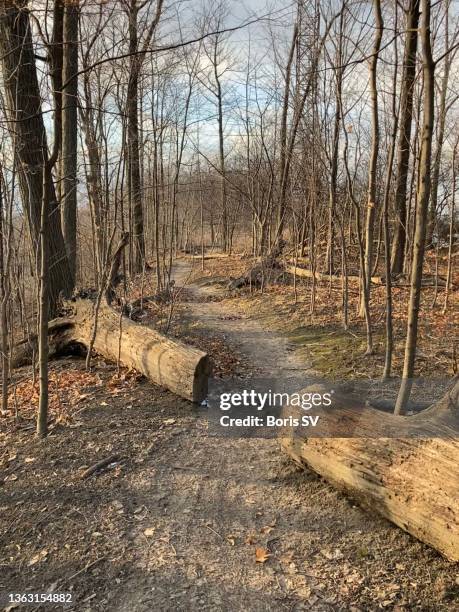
[{"x": 335, "y": 353}]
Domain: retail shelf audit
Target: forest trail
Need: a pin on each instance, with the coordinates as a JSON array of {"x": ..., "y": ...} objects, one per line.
[
  {"x": 267, "y": 352},
  {"x": 213, "y": 501}
]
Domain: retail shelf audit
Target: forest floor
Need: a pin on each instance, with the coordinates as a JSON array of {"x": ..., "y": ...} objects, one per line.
[{"x": 174, "y": 523}]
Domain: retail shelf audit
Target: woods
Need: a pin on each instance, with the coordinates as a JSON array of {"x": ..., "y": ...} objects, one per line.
[{"x": 168, "y": 165}]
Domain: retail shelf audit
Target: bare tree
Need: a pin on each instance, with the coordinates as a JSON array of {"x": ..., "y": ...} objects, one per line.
[
  {"x": 29, "y": 137},
  {"x": 404, "y": 142},
  {"x": 70, "y": 132},
  {"x": 372, "y": 177},
  {"x": 422, "y": 204}
]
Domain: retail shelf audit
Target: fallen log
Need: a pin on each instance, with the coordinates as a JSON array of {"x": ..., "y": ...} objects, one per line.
[
  {"x": 207, "y": 256},
  {"x": 398, "y": 281},
  {"x": 405, "y": 468},
  {"x": 303, "y": 272},
  {"x": 261, "y": 272},
  {"x": 25, "y": 351},
  {"x": 181, "y": 368}
]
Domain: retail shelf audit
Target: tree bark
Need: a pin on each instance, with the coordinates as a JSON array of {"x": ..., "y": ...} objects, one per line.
[
  {"x": 4, "y": 297},
  {"x": 442, "y": 112},
  {"x": 371, "y": 205},
  {"x": 283, "y": 132},
  {"x": 29, "y": 139},
  {"x": 70, "y": 133},
  {"x": 136, "y": 59},
  {"x": 182, "y": 369},
  {"x": 135, "y": 193},
  {"x": 422, "y": 204},
  {"x": 43, "y": 342},
  {"x": 406, "y": 118},
  {"x": 412, "y": 481}
]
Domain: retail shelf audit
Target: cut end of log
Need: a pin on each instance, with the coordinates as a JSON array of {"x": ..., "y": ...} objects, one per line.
[
  {"x": 201, "y": 379},
  {"x": 170, "y": 363}
]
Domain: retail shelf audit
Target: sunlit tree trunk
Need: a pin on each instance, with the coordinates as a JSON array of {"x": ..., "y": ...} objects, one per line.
[{"x": 372, "y": 191}]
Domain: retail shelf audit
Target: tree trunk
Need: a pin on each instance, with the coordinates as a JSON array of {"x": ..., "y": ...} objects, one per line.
[
  {"x": 283, "y": 133},
  {"x": 442, "y": 112},
  {"x": 449, "y": 268},
  {"x": 135, "y": 194},
  {"x": 406, "y": 117},
  {"x": 4, "y": 296},
  {"x": 29, "y": 138},
  {"x": 371, "y": 205},
  {"x": 43, "y": 342},
  {"x": 412, "y": 481},
  {"x": 422, "y": 204},
  {"x": 182, "y": 369},
  {"x": 338, "y": 71},
  {"x": 70, "y": 134},
  {"x": 94, "y": 183}
]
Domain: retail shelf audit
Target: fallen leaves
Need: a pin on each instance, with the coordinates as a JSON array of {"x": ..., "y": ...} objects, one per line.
[
  {"x": 332, "y": 555},
  {"x": 65, "y": 393},
  {"x": 125, "y": 381},
  {"x": 262, "y": 555},
  {"x": 38, "y": 557},
  {"x": 149, "y": 532}
]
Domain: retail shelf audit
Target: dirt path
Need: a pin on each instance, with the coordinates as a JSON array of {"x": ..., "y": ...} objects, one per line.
[
  {"x": 211, "y": 502},
  {"x": 268, "y": 353},
  {"x": 175, "y": 523}
]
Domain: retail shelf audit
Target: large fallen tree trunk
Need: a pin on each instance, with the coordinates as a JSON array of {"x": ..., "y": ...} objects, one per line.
[
  {"x": 182, "y": 369},
  {"x": 305, "y": 273},
  {"x": 207, "y": 256},
  {"x": 405, "y": 468},
  {"x": 262, "y": 271},
  {"x": 398, "y": 281}
]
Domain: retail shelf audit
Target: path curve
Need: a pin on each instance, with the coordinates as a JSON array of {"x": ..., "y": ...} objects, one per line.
[{"x": 213, "y": 501}]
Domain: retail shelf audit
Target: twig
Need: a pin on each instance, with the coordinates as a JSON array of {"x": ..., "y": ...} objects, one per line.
[
  {"x": 84, "y": 569},
  {"x": 216, "y": 532},
  {"x": 99, "y": 465}
]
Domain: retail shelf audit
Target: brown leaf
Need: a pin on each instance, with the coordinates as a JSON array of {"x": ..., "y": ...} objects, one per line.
[
  {"x": 262, "y": 555},
  {"x": 38, "y": 557},
  {"x": 149, "y": 532}
]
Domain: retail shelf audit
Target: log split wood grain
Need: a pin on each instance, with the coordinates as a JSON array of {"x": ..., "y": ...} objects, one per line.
[{"x": 405, "y": 468}]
